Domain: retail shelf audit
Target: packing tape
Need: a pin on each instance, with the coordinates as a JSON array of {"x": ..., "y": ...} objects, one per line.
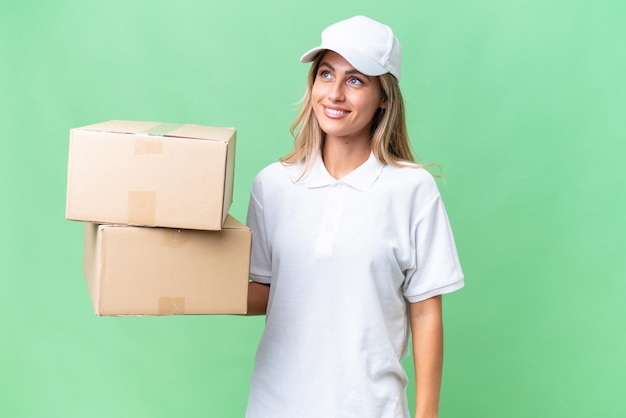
[
  {"x": 171, "y": 306},
  {"x": 175, "y": 238},
  {"x": 162, "y": 129},
  {"x": 146, "y": 144},
  {"x": 150, "y": 141},
  {"x": 142, "y": 207}
]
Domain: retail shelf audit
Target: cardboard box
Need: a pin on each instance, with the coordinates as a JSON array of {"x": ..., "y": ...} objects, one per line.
[
  {"x": 151, "y": 174},
  {"x": 165, "y": 271}
]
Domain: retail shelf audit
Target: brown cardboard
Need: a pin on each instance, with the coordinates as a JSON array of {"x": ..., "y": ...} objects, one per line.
[
  {"x": 151, "y": 174},
  {"x": 165, "y": 271}
]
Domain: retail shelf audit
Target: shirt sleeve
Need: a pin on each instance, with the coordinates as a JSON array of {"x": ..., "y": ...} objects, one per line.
[
  {"x": 436, "y": 268},
  {"x": 260, "y": 261}
]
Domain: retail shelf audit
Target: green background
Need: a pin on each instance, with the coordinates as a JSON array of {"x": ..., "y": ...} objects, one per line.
[{"x": 522, "y": 102}]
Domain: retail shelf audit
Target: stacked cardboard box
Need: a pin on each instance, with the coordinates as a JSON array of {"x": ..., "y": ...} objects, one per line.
[{"x": 154, "y": 199}]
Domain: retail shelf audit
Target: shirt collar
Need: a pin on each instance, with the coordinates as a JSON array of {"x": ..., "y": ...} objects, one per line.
[{"x": 361, "y": 178}]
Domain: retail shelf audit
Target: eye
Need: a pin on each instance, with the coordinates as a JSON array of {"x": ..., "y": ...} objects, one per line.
[
  {"x": 325, "y": 75},
  {"x": 355, "y": 81}
]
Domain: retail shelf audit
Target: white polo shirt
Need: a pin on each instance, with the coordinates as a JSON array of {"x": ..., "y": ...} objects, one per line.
[{"x": 343, "y": 257}]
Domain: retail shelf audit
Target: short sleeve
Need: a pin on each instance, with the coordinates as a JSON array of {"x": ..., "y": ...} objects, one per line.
[
  {"x": 260, "y": 261},
  {"x": 436, "y": 268}
]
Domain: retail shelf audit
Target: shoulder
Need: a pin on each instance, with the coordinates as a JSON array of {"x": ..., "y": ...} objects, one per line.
[
  {"x": 278, "y": 172},
  {"x": 275, "y": 175},
  {"x": 410, "y": 177},
  {"x": 270, "y": 171}
]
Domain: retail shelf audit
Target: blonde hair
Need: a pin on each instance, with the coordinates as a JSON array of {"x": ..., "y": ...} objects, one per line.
[{"x": 389, "y": 136}]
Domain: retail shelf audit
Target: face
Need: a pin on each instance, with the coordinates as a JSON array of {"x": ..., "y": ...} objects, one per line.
[{"x": 344, "y": 100}]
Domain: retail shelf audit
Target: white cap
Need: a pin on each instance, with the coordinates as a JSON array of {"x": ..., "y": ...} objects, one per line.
[{"x": 368, "y": 45}]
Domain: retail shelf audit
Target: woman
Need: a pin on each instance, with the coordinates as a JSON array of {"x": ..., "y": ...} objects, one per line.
[{"x": 352, "y": 248}]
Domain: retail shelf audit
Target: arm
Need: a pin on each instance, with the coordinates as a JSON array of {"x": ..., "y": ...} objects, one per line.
[
  {"x": 427, "y": 330},
  {"x": 258, "y": 295}
]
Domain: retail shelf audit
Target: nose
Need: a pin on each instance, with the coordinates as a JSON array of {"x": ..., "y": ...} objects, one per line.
[{"x": 336, "y": 93}]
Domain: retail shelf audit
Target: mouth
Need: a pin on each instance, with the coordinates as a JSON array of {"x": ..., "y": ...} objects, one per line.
[{"x": 334, "y": 112}]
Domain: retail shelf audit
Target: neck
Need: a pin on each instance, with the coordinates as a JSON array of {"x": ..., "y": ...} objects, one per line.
[{"x": 342, "y": 156}]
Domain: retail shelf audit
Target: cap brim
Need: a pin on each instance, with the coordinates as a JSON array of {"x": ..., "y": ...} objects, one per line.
[
  {"x": 310, "y": 55},
  {"x": 359, "y": 61}
]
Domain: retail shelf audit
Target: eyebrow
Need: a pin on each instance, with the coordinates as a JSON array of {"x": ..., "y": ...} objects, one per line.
[{"x": 354, "y": 71}]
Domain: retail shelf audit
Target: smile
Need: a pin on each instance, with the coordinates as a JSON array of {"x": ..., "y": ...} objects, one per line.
[{"x": 335, "y": 112}]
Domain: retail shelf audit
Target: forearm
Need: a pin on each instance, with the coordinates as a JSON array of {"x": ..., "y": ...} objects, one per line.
[
  {"x": 427, "y": 329},
  {"x": 258, "y": 295}
]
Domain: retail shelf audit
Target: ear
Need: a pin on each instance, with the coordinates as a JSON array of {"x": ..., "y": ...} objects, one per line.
[{"x": 383, "y": 103}]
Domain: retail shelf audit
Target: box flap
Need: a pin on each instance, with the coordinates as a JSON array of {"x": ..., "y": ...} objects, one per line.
[
  {"x": 174, "y": 130},
  {"x": 232, "y": 223}
]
